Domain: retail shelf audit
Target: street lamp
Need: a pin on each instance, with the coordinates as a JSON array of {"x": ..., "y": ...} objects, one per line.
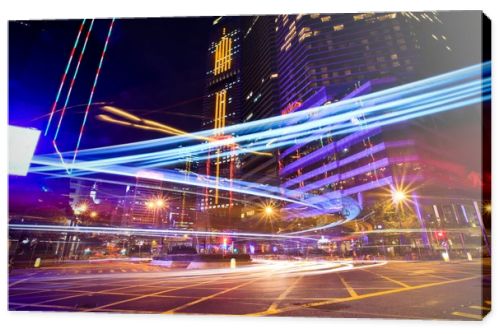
[
  {"x": 487, "y": 208},
  {"x": 160, "y": 203},
  {"x": 83, "y": 207},
  {"x": 268, "y": 210},
  {"x": 398, "y": 196},
  {"x": 80, "y": 209},
  {"x": 93, "y": 214}
]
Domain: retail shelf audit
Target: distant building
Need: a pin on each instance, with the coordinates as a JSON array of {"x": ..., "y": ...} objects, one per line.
[
  {"x": 140, "y": 205},
  {"x": 103, "y": 201}
]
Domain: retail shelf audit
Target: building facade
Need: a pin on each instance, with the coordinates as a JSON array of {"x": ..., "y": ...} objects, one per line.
[
  {"x": 222, "y": 107},
  {"x": 323, "y": 59}
]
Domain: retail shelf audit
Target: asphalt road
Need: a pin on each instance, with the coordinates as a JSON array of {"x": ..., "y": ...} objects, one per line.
[{"x": 415, "y": 290}]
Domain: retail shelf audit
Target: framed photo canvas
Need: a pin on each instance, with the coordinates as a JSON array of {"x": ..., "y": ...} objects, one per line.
[{"x": 308, "y": 165}]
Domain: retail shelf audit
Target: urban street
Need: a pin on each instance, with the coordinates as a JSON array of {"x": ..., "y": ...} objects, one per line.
[
  {"x": 413, "y": 290},
  {"x": 309, "y": 165}
]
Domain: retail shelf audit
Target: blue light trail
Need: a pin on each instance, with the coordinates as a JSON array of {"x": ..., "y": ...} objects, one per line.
[{"x": 437, "y": 94}]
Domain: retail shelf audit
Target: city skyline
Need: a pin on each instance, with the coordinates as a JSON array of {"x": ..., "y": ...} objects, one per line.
[{"x": 254, "y": 140}]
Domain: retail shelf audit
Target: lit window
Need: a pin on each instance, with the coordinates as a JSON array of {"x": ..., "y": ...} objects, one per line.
[
  {"x": 387, "y": 17},
  {"x": 338, "y": 27},
  {"x": 362, "y": 16}
]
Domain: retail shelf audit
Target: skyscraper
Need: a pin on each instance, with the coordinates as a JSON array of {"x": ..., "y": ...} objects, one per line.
[
  {"x": 222, "y": 106},
  {"x": 259, "y": 74},
  {"x": 326, "y": 58}
]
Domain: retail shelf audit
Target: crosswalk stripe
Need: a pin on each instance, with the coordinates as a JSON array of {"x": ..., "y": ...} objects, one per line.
[{"x": 468, "y": 315}]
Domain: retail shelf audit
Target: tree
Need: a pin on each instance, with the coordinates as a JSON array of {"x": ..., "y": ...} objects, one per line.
[{"x": 390, "y": 216}]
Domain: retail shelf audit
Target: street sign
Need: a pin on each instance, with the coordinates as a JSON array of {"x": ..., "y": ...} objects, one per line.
[{"x": 22, "y": 144}]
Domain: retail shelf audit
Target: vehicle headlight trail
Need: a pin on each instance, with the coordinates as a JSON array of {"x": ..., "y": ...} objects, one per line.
[
  {"x": 392, "y": 94},
  {"x": 148, "y": 232},
  {"x": 437, "y": 94},
  {"x": 391, "y": 112}
]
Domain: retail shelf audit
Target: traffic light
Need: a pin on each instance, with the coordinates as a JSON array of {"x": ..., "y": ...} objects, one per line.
[{"x": 440, "y": 235}]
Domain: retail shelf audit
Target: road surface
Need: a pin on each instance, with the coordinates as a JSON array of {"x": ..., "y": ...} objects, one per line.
[{"x": 415, "y": 290}]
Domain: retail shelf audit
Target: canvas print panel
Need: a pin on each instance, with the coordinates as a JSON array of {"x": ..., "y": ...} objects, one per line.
[{"x": 312, "y": 165}]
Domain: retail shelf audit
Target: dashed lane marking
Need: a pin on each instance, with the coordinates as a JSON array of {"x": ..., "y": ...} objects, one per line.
[
  {"x": 483, "y": 308},
  {"x": 468, "y": 315}
]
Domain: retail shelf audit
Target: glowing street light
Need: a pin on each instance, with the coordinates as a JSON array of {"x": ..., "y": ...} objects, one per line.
[
  {"x": 156, "y": 203},
  {"x": 268, "y": 210},
  {"x": 93, "y": 214},
  {"x": 398, "y": 196},
  {"x": 81, "y": 209},
  {"x": 160, "y": 203}
]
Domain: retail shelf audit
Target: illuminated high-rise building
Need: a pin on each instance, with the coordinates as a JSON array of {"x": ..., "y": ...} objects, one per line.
[
  {"x": 259, "y": 75},
  {"x": 326, "y": 58},
  {"x": 222, "y": 107}
]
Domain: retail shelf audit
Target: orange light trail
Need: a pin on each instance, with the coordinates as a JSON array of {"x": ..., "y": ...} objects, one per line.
[{"x": 155, "y": 126}]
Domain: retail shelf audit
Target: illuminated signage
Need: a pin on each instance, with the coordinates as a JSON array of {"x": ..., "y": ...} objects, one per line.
[
  {"x": 223, "y": 59},
  {"x": 291, "y": 107}
]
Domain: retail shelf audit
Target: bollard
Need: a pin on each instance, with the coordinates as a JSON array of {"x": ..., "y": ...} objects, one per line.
[
  {"x": 469, "y": 256},
  {"x": 233, "y": 263},
  {"x": 38, "y": 262},
  {"x": 446, "y": 256}
]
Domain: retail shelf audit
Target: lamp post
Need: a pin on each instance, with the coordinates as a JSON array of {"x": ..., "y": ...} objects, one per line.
[
  {"x": 156, "y": 205},
  {"x": 268, "y": 210},
  {"x": 269, "y": 213},
  {"x": 398, "y": 198}
]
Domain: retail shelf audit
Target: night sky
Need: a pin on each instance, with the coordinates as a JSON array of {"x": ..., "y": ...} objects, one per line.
[{"x": 153, "y": 68}]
